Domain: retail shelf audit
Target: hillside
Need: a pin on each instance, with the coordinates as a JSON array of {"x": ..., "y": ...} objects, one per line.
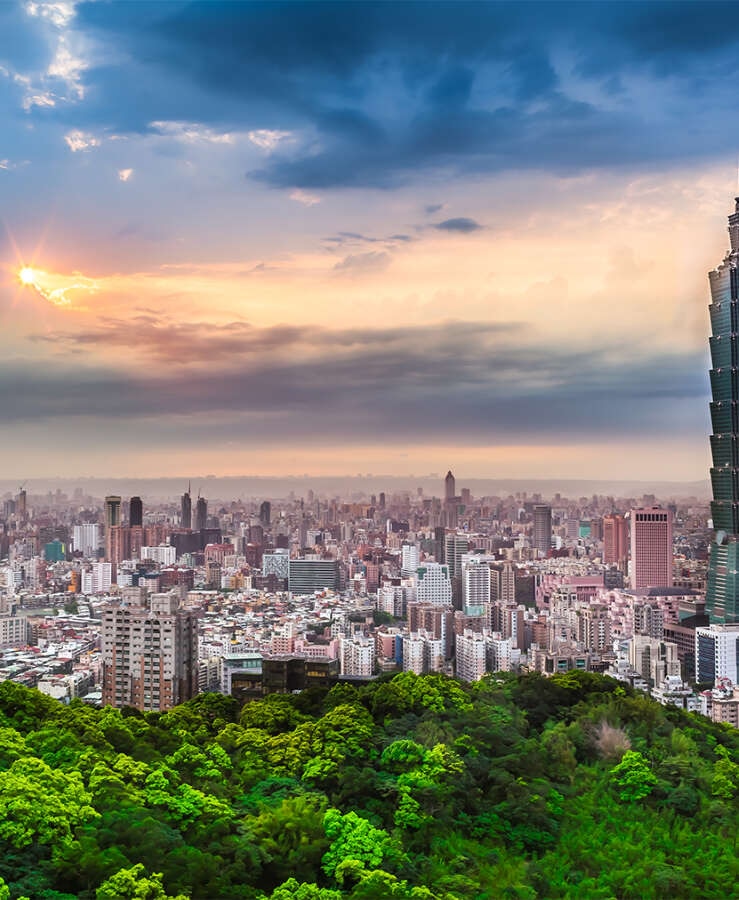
[{"x": 414, "y": 787}]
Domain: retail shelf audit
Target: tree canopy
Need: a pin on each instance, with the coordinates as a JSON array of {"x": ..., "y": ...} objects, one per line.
[{"x": 411, "y": 787}]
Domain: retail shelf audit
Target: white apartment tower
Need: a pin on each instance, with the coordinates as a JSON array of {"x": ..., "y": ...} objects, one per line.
[{"x": 433, "y": 584}]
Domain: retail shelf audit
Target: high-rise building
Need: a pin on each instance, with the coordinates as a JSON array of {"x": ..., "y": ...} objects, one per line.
[
  {"x": 150, "y": 656},
  {"x": 722, "y": 584},
  {"x": 651, "y": 547},
  {"x": 135, "y": 512},
  {"x": 450, "y": 490},
  {"x": 112, "y": 511},
  {"x": 433, "y": 584},
  {"x": 357, "y": 656},
  {"x": 439, "y": 534},
  {"x": 471, "y": 655},
  {"x": 265, "y": 513},
  {"x": 717, "y": 653},
  {"x": 201, "y": 514},
  {"x": 455, "y": 546},
  {"x": 21, "y": 506},
  {"x": 112, "y": 514},
  {"x": 305, "y": 576},
  {"x": 186, "y": 509},
  {"x": 615, "y": 541},
  {"x": 409, "y": 559},
  {"x": 475, "y": 587},
  {"x": 86, "y": 538},
  {"x": 542, "y": 538}
]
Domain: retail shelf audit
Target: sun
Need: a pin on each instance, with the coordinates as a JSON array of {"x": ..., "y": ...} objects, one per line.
[{"x": 27, "y": 275}]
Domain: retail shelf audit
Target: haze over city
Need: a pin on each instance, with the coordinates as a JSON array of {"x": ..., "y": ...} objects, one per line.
[{"x": 342, "y": 238}]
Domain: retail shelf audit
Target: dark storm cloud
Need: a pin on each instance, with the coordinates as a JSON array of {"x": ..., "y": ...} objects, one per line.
[
  {"x": 461, "y": 225},
  {"x": 482, "y": 86},
  {"x": 434, "y": 382}
]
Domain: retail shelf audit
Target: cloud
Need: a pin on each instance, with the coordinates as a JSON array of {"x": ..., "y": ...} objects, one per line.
[
  {"x": 364, "y": 263},
  {"x": 124, "y": 174},
  {"x": 432, "y": 208},
  {"x": 68, "y": 68},
  {"x": 267, "y": 139},
  {"x": 344, "y": 238},
  {"x": 80, "y": 140},
  {"x": 462, "y": 225},
  {"x": 483, "y": 87},
  {"x": 59, "y": 14},
  {"x": 191, "y": 132},
  {"x": 391, "y": 381},
  {"x": 307, "y": 199}
]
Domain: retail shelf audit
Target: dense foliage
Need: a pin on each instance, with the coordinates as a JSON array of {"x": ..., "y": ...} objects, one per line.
[{"x": 410, "y": 787}]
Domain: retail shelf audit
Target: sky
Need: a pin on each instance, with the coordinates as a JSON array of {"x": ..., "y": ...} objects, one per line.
[{"x": 286, "y": 238}]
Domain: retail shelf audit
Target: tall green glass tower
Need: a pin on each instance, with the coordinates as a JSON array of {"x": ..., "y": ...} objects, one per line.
[{"x": 722, "y": 594}]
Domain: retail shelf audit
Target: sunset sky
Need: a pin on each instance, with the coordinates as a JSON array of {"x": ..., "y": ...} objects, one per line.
[{"x": 338, "y": 238}]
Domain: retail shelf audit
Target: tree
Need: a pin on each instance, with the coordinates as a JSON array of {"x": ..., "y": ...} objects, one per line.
[
  {"x": 633, "y": 777},
  {"x": 134, "y": 884},
  {"x": 41, "y": 804},
  {"x": 355, "y": 845},
  {"x": 292, "y": 890}
]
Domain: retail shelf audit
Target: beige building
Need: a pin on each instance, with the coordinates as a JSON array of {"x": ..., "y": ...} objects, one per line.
[{"x": 150, "y": 654}]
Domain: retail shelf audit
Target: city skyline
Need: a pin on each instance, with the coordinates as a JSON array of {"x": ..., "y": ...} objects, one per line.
[{"x": 340, "y": 238}]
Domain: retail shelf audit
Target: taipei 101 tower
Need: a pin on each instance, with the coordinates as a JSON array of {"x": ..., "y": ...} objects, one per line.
[{"x": 722, "y": 594}]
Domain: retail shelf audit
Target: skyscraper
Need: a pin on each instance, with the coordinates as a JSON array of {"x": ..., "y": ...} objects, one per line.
[
  {"x": 651, "y": 547},
  {"x": 449, "y": 487},
  {"x": 722, "y": 584},
  {"x": 201, "y": 514},
  {"x": 615, "y": 541},
  {"x": 186, "y": 509},
  {"x": 265, "y": 513},
  {"x": 135, "y": 512},
  {"x": 542, "y": 528},
  {"x": 112, "y": 512}
]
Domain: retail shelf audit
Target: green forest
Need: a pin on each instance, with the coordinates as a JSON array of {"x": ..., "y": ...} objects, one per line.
[{"x": 408, "y": 787}]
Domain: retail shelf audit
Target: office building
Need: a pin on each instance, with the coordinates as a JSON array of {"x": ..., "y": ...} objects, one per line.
[
  {"x": 277, "y": 563},
  {"x": 615, "y": 542},
  {"x": 112, "y": 509},
  {"x": 542, "y": 536},
  {"x": 717, "y": 653},
  {"x": 201, "y": 514},
  {"x": 135, "y": 512},
  {"x": 651, "y": 547},
  {"x": 722, "y": 586},
  {"x": 186, "y": 509},
  {"x": 455, "y": 546},
  {"x": 433, "y": 584},
  {"x": 112, "y": 518},
  {"x": 21, "y": 506},
  {"x": 150, "y": 655},
  {"x": 409, "y": 559},
  {"x": 86, "y": 539},
  {"x": 265, "y": 513},
  {"x": 306, "y": 576}
]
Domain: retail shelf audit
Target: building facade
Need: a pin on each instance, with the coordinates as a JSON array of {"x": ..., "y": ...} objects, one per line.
[
  {"x": 722, "y": 589},
  {"x": 651, "y": 547},
  {"x": 150, "y": 655}
]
